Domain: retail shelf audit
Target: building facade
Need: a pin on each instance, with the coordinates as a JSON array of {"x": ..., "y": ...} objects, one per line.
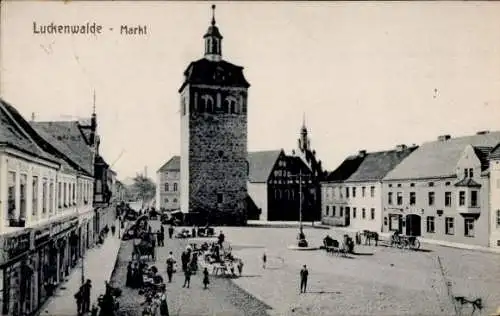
[
  {"x": 213, "y": 109},
  {"x": 168, "y": 185},
  {"x": 442, "y": 191},
  {"x": 494, "y": 167},
  {"x": 44, "y": 194},
  {"x": 352, "y": 194}
]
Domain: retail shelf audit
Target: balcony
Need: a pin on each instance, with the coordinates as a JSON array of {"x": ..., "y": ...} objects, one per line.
[{"x": 469, "y": 210}]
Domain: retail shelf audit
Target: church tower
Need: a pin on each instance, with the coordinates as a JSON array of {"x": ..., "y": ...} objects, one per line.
[{"x": 213, "y": 109}]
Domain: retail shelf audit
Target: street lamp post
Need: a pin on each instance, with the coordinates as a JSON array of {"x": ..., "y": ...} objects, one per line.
[{"x": 302, "y": 239}]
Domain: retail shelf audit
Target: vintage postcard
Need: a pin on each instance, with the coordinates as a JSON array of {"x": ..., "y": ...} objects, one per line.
[{"x": 249, "y": 158}]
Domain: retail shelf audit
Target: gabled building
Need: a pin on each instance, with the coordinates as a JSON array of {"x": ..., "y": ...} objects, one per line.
[
  {"x": 442, "y": 190},
  {"x": 45, "y": 193},
  {"x": 352, "y": 194},
  {"x": 168, "y": 185}
]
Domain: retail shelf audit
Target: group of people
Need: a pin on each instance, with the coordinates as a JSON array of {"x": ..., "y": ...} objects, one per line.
[{"x": 83, "y": 298}]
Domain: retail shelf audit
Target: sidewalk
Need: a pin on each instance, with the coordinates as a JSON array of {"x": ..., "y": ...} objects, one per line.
[
  {"x": 285, "y": 224},
  {"x": 99, "y": 263}
]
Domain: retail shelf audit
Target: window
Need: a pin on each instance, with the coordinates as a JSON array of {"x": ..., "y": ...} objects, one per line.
[
  {"x": 363, "y": 213},
  {"x": 327, "y": 210},
  {"x": 498, "y": 218},
  {"x": 65, "y": 195},
  {"x": 447, "y": 199},
  {"x": 399, "y": 185},
  {"x": 59, "y": 194},
  {"x": 363, "y": 191},
  {"x": 353, "y": 192},
  {"x": 51, "y": 197},
  {"x": 347, "y": 192},
  {"x": 347, "y": 210},
  {"x": 22, "y": 193},
  {"x": 372, "y": 191},
  {"x": 341, "y": 212},
  {"x": 431, "y": 198},
  {"x": 466, "y": 173},
  {"x": 333, "y": 211},
  {"x": 473, "y": 198},
  {"x": 11, "y": 199},
  {"x": 175, "y": 200},
  {"x": 389, "y": 198},
  {"x": 390, "y": 185},
  {"x": 353, "y": 212},
  {"x": 468, "y": 227},
  {"x": 461, "y": 198},
  {"x": 44, "y": 196},
  {"x": 166, "y": 200},
  {"x": 73, "y": 194},
  {"x": 166, "y": 187},
  {"x": 385, "y": 221},
  {"x": 431, "y": 184},
  {"x": 34, "y": 206},
  {"x": 431, "y": 228},
  {"x": 399, "y": 197},
  {"x": 412, "y": 185},
  {"x": 447, "y": 183},
  {"x": 220, "y": 198},
  {"x": 413, "y": 198},
  {"x": 372, "y": 214},
  {"x": 471, "y": 173},
  {"x": 175, "y": 187},
  {"x": 449, "y": 226}
]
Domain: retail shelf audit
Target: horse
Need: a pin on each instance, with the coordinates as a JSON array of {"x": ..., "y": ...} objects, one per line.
[{"x": 369, "y": 235}]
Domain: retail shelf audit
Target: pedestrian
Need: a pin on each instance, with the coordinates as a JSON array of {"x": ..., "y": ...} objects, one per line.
[
  {"x": 187, "y": 277},
  {"x": 79, "y": 301},
  {"x": 158, "y": 238},
  {"x": 264, "y": 260},
  {"x": 94, "y": 310},
  {"x": 240, "y": 266},
  {"x": 170, "y": 231},
  {"x": 113, "y": 229},
  {"x": 130, "y": 275},
  {"x": 163, "y": 302},
  {"x": 304, "y": 273},
  {"x": 170, "y": 266},
  {"x": 185, "y": 256},
  {"x": 206, "y": 282},
  {"x": 86, "y": 288},
  {"x": 221, "y": 238}
]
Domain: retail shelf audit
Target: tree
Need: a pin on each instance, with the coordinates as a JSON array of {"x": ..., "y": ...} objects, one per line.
[{"x": 143, "y": 188}]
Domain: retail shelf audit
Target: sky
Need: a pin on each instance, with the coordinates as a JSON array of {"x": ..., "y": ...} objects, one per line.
[{"x": 366, "y": 75}]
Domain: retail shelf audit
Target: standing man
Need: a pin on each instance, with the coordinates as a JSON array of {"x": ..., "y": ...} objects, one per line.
[
  {"x": 304, "y": 273},
  {"x": 170, "y": 231},
  {"x": 187, "y": 277},
  {"x": 79, "y": 301},
  {"x": 264, "y": 260},
  {"x": 170, "y": 266},
  {"x": 86, "y": 296}
]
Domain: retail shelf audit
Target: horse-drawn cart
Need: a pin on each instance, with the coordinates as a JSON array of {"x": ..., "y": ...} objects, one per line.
[{"x": 403, "y": 241}]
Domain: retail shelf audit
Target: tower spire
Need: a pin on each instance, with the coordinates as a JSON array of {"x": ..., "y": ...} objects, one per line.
[
  {"x": 93, "y": 104},
  {"x": 213, "y": 40},
  {"x": 213, "y": 14},
  {"x": 303, "y": 119}
]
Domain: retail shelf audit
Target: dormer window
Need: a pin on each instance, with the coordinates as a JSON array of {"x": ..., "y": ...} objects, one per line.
[
  {"x": 471, "y": 172},
  {"x": 466, "y": 172}
]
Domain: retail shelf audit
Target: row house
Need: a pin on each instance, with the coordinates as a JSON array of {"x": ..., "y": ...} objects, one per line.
[
  {"x": 442, "y": 191},
  {"x": 42, "y": 194},
  {"x": 494, "y": 167},
  {"x": 352, "y": 194},
  {"x": 167, "y": 185}
]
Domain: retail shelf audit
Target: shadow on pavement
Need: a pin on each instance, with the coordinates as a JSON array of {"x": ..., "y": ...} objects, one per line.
[
  {"x": 323, "y": 292},
  {"x": 363, "y": 253}
]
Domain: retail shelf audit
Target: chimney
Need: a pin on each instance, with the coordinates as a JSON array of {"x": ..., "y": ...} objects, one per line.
[
  {"x": 482, "y": 132},
  {"x": 443, "y": 138},
  {"x": 293, "y": 152},
  {"x": 400, "y": 147},
  {"x": 362, "y": 153},
  {"x": 32, "y": 116}
]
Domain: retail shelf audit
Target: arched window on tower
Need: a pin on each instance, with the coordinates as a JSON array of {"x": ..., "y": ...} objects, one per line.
[
  {"x": 231, "y": 104},
  {"x": 208, "y": 103}
]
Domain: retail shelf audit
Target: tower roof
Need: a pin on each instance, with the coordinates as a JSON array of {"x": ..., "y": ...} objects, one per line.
[{"x": 213, "y": 30}]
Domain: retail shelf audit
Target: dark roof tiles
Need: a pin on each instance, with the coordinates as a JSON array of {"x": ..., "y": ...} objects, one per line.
[
  {"x": 261, "y": 164},
  {"x": 173, "y": 163}
]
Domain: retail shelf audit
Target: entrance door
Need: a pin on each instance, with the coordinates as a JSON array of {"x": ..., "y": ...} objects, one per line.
[{"x": 413, "y": 225}]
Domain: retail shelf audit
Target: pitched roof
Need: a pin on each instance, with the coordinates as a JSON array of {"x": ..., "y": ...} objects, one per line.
[
  {"x": 70, "y": 140},
  {"x": 482, "y": 152},
  {"x": 376, "y": 165},
  {"x": 346, "y": 169},
  {"x": 16, "y": 132},
  {"x": 173, "y": 163},
  {"x": 439, "y": 158},
  {"x": 495, "y": 152},
  {"x": 261, "y": 164},
  {"x": 204, "y": 71}
]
